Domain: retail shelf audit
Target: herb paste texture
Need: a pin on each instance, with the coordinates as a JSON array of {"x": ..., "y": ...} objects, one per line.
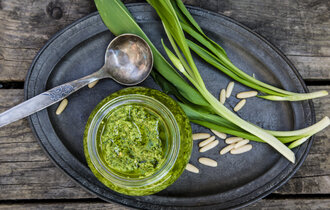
[
  {"x": 131, "y": 140},
  {"x": 182, "y": 158}
]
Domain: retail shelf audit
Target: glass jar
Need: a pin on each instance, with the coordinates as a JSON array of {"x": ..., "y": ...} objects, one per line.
[{"x": 177, "y": 142}]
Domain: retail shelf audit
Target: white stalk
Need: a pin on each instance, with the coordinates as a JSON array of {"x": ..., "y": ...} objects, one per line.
[
  {"x": 297, "y": 96},
  {"x": 317, "y": 127},
  {"x": 298, "y": 142},
  {"x": 259, "y": 132}
]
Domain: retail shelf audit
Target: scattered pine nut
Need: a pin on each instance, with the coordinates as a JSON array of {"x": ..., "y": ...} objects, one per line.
[
  {"x": 62, "y": 106},
  {"x": 223, "y": 96},
  {"x": 229, "y": 89},
  {"x": 198, "y": 136},
  {"x": 192, "y": 168},
  {"x": 209, "y": 146},
  {"x": 92, "y": 84},
  {"x": 239, "y": 105},
  {"x": 208, "y": 162},
  {"x": 233, "y": 139},
  {"x": 241, "y": 143},
  {"x": 219, "y": 134},
  {"x": 205, "y": 142},
  {"x": 227, "y": 149},
  {"x": 242, "y": 149},
  {"x": 247, "y": 94}
]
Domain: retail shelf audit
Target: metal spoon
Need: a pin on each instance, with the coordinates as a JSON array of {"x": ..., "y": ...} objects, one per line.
[{"x": 128, "y": 61}]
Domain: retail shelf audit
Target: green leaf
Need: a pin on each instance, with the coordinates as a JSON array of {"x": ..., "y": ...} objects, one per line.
[
  {"x": 168, "y": 87},
  {"x": 172, "y": 26},
  {"x": 211, "y": 59},
  {"x": 192, "y": 21},
  {"x": 205, "y": 41},
  {"x": 187, "y": 15},
  {"x": 199, "y": 113}
]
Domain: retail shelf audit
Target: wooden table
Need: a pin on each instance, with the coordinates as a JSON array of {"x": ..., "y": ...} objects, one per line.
[{"x": 28, "y": 179}]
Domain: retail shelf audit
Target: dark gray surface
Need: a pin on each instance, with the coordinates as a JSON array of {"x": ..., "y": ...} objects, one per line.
[{"x": 238, "y": 180}]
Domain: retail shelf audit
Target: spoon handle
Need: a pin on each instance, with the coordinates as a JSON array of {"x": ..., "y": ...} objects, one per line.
[{"x": 46, "y": 99}]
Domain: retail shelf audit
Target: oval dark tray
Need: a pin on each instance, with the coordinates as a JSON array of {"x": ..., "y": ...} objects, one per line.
[{"x": 238, "y": 180}]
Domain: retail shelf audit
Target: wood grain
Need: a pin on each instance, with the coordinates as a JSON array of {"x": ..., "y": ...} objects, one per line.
[
  {"x": 25, "y": 170},
  {"x": 296, "y": 27},
  {"x": 301, "y": 29},
  {"x": 265, "y": 204},
  {"x": 292, "y": 204},
  {"x": 312, "y": 67},
  {"x": 25, "y": 26},
  {"x": 27, "y": 173},
  {"x": 65, "y": 205}
]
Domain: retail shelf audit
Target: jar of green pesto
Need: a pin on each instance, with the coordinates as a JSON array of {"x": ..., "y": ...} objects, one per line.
[{"x": 137, "y": 141}]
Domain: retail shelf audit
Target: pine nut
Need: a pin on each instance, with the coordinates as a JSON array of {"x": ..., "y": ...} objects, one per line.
[
  {"x": 247, "y": 94},
  {"x": 62, "y": 106},
  {"x": 241, "y": 150},
  {"x": 208, "y": 162},
  {"x": 192, "y": 168},
  {"x": 198, "y": 136},
  {"x": 223, "y": 96},
  {"x": 205, "y": 142},
  {"x": 233, "y": 139},
  {"x": 229, "y": 89},
  {"x": 92, "y": 84},
  {"x": 239, "y": 105},
  {"x": 209, "y": 146},
  {"x": 241, "y": 143},
  {"x": 219, "y": 134},
  {"x": 227, "y": 149}
]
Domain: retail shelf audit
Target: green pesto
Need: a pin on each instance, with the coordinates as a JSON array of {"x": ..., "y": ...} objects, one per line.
[
  {"x": 185, "y": 142},
  {"x": 131, "y": 141}
]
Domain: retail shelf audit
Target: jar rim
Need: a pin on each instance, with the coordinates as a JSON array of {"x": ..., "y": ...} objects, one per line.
[{"x": 169, "y": 159}]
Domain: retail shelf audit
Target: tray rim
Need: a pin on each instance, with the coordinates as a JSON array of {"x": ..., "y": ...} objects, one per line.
[{"x": 142, "y": 204}]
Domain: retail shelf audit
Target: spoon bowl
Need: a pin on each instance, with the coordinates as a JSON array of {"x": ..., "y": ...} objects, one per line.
[{"x": 128, "y": 59}]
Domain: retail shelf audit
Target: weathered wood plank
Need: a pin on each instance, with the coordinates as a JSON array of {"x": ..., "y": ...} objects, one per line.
[
  {"x": 25, "y": 26},
  {"x": 301, "y": 29},
  {"x": 37, "y": 180},
  {"x": 296, "y": 27},
  {"x": 291, "y": 204},
  {"x": 26, "y": 172},
  {"x": 306, "y": 185},
  {"x": 64, "y": 205},
  {"x": 265, "y": 204},
  {"x": 312, "y": 68}
]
